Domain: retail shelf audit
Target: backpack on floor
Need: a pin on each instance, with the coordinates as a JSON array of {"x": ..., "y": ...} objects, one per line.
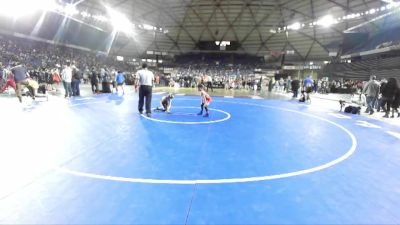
[
  {"x": 348, "y": 109},
  {"x": 352, "y": 109},
  {"x": 356, "y": 110}
]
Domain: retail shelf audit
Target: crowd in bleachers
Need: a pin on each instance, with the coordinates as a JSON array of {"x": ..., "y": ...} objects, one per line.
[
  {"x": 45, "y": 61},
  {"x": 221, "y": 77}
]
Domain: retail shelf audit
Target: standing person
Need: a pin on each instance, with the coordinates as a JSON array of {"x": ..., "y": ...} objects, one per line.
[
  {"x": 295, "y": 87},
  {"x": 379, "y": 105},
  {"x": 209, "y": 82},
  {"x": 21, "y": 79},
  {"x": 388, "y": 94},
  {"x": 281, "y": 85},
  {"x": 371, "y": 90},
  {"x": 94, "y": 81},
  {"x": 396, "y": 104},
  {"x": 146, "y": 79},
  {"x": 289, "y": 84},
  {"x": 66, "y": 76},
  {"x": 205, "y": 101},
  {"x": 135, "y": 82},
  {"x": 56, "y": 78},
  {"x": 120, "y": 80},
  {"x": 76, "y": 80},
  {"x": 308, "y": 86}
]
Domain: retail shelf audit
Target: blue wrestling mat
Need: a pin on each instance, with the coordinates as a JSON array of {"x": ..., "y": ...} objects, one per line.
[{"x": 97, "y": 161}]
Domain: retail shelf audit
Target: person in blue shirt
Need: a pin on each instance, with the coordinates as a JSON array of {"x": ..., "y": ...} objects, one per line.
[
  {"x": 21, "y": 75},
  {"x": 120, "y": 80},
  {"x": 308, "y": 86}
]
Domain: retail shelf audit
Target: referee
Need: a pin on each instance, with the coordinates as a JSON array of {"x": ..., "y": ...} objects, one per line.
[{"x": 146, "y": 78}]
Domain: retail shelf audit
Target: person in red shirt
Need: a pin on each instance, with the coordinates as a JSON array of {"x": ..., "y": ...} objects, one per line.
[{"x": 10, "y": 83}]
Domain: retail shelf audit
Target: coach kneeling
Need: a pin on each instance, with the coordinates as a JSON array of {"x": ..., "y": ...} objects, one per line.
[{"x": 146, "y": 78}]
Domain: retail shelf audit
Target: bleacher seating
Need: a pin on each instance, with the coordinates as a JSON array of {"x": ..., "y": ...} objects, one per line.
[
  {"x": 387, "y": 38},
  {"x": 363, "y": 69}
]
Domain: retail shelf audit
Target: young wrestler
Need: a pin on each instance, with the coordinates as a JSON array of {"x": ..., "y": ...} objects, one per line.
[
  {"x": 166, "y": 103},
  {"x": 205, "y": 100},
  {"x": 120, "y": 80}
]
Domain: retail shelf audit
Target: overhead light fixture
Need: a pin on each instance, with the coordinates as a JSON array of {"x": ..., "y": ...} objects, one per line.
[
  {"x": 326, "y": 21},
  {"x": 119, "y": 21},
  {"x": 148, "y": 27},
  {"x": 295, "y": 26},
  {"x": 70, "y": 10}
]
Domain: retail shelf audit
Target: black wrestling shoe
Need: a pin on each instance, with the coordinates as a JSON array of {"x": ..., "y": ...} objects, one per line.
[
  {"x": 200, "y": 113},
  {"x": 206, "y": 115},
  {"x": 148, "y": 115}
]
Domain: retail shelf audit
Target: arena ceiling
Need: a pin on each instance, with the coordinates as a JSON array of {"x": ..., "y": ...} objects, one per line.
[{"x": 254, "y": 24}]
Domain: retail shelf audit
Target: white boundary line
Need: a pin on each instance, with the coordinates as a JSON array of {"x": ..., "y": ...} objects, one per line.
[
  {"x": 232, "y": 180},
  {"x": 159, "y": 93},
  {"x": 394, "y": 134},
  {"x": 228, "y": 116}
]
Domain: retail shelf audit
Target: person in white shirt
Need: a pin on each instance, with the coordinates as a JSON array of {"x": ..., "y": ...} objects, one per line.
[
  {"x": 66, "y": 76},
  {"x": 146, "y": 79}
]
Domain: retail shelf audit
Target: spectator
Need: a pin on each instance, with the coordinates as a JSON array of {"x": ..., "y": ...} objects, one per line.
[
  {"x": 66, "y": 76},
  {"x": 94, "y": 81},
  {"x": 371, "y": 90},
  {"x": 388, "y": 94},
  {"x": 295, "y": 87},
  {"x": 9, "y": 83}
]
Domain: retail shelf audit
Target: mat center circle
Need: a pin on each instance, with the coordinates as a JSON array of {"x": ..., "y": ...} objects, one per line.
[{"x": 188, "y": 115}]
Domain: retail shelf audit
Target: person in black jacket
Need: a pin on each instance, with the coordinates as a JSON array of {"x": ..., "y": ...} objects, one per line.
[
  {"x": 295, "y": 87},
  {"x": 94, "y": 81},
  {"x": 389, "y": 91},
  {"x": 396, "y": 104}
]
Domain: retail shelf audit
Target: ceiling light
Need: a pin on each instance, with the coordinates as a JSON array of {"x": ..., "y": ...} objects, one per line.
[
  {"x": 295, "y": 26},
  {"x": 119, "y": 21},
  {"x": 70, "y": 10},
  {"x": 326, "y": 21},
  {"x": 148, "y": 27}
]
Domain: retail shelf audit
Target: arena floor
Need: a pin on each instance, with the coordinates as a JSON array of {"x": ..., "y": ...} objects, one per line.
[{"x": 260, "y": 160}]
